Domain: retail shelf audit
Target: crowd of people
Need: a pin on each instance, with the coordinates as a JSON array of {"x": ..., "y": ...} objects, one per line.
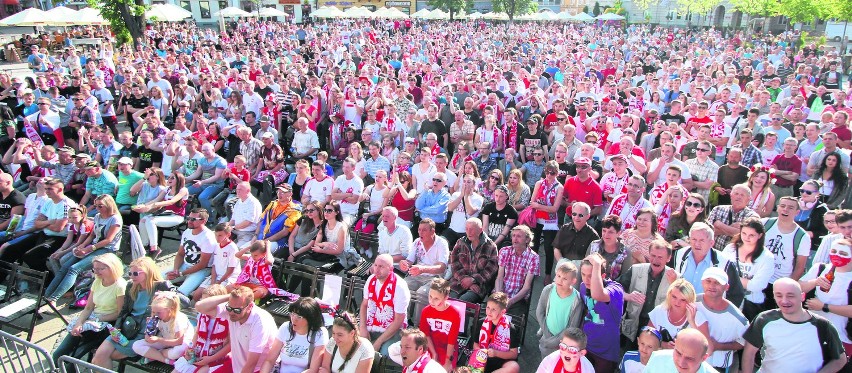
[{"x": 677, "y": 192}]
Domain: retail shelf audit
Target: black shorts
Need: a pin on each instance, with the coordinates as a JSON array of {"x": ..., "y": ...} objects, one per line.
[
  {"x": 494, "y": 363},
  {"x": 70, "y": 133}
]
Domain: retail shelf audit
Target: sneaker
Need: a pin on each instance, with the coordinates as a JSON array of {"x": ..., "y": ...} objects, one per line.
[
  {"x": 155, "y": 253},
  {"x": 368, "y": 254}
]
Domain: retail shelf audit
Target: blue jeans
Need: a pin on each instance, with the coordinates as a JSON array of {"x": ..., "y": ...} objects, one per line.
[
  {"x": 67, "y": 275},
  {"x": 191, "y": 281},
  {"x": 206, "y": 193}
]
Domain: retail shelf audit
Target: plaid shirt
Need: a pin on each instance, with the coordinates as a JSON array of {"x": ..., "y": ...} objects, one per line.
[
  {"x": 751, "y": 155},
  {"x": 479, "y": 263},
  {"x": 252, "y": 151},
  {"x": 726, "y": 215},
  {"x": 707, "y": 171},
  {"x": 85, "y": 114},
  {"x": 516, "y": 268}
]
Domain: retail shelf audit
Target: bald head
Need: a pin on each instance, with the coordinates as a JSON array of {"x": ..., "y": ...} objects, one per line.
[
  {"x": 385, "y": 259},
  {"x": 690, "y": 350}
]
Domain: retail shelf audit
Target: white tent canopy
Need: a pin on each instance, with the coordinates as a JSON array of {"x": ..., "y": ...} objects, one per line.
[
  {"x": 167, "y": 13},
  {"x": 328, "y": 12},
  {"x": 91, "y": 16},
  {"x": 395, "y": 13},
  {"x": 565, "y": 16},
  {"x": 583, "y": 17},
  {"x": 422, "y": 13},
  {"x": 610, "y": 17},
  {"x": 27, "y": 17},
  {"x": 358, "y": 12},
  {"x": 438, "y": 14},
  {"x": 232, "y": 12},
  {"x": 272, "y": 12},
  {"x": 474, "y": 15},
  {"x": 62, "y": 16}
]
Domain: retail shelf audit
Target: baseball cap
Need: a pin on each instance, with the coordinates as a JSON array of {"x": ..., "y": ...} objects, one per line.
[
  {"x": 717, "y": 274},
  {"x": 284, "y": 187},
  {"x": 66, "y": 149},
  {"x": 83, "y": 155},
  {"x": 583, "y": 160},
  {"x": 618, "y": 156},
  {"x": 267, "y": 135},
  {"x": 92, "y": 164},
  {"x": 125, "y": 160},
  {"x": 264, "y": 118}
]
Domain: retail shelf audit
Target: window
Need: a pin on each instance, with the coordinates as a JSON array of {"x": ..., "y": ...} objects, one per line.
[
  {"x": 186, "y": 5},
  {"x": 204, "y": 7}
]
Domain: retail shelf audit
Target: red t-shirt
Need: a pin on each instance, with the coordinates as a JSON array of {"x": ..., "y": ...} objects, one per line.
[
  {"x": 783, "y": 163},
  {"x": 843, "y": 133},
  {"x": 243, "y": 175},
  {"x": 589, "y": 192},
  {"x": 442, "y": 327}
]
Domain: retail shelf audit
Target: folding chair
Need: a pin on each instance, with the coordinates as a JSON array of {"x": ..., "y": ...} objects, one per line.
[
  {"x": 26, "y": 304},
  {"x": 469, "y": 331},
  {"x": 288, "y": 272}
]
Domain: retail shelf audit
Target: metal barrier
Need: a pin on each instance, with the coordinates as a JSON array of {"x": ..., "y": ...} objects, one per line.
[
  {"x": 18, "y": 355},
  {"x": 67, "y": 362}
]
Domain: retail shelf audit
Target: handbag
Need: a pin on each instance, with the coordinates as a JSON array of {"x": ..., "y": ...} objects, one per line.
[
  {"x": 527, "y": 217},
  {"x": 129, "y": 326}
]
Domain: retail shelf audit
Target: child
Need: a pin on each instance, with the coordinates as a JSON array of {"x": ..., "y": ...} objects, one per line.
[
  {"x": 211, "y": 343},
  {"x": 225, "y": 262},
  {"x": 256, "y": 274},
  {"x": 323, "y": 156},
  {"x": 649, "y": 340},
  {"x": 571, "y": 355},
  {"x": 173, "y": 331},
  {"x": 441, "y": 323},
  {"x": 225, "y": 200},
  {"x": 498, "y": 337}
]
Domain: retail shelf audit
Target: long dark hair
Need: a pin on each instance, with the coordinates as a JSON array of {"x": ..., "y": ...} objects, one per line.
[
  {"x": 309, "y": 309},
  {"x": 837, "y": 174},
  {"x": 347, "y": 322},
  {"x": 680, "y": 216},
  {"x": 753, "y": 223}
]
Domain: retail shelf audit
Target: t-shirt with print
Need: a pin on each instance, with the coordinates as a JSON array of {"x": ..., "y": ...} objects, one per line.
[
  {"x": 225, "y": 258},
  {"x": 14, "y": 199},
  {"x": 190, "y": 164},
  {"x": 148, "y": 156},
  {"x": 602, "y": 321},
  {"x": 460, "y": 216},
  {"x": 497, "y": 218},
  {"x": 196, "y": 244},
  {"x": 782, "y": 246},
  {"x": 102, "y": 227},
  {"x": 354, "y": 185},
  {"x": 793, "y": 344},
  {"x": 295, "y": 351},
  {"x": 442, "y": 327},
  {"x": 209, "y": 167}
]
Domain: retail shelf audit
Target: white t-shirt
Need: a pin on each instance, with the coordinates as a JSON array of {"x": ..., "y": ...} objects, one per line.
[
  {"x": 837, "y": 295},
  {"x": 354, "y": 185},
  {"x": 460, "y": 215},
  {"x": 225, "y": 259},
  {"x": 660, "y": 317},
  {"x": 196, "y": 244},
  {"x": 168, "y": 330},
  {"x": 248, "y": 210},
  {"x": 438, "y": 253},
  {"x": 725, "y": 326},
  {"x": 318, "y": 190},
  {"x": 423, "y": 178},
  {"x": 396, "y": 243},
  {"x": 661, "y": 179},
  {"x": 365, "y": 351},
  {"x": 294, "y": 353},
  {"x": 305, "y": 141},
  {"x": 781, "y": 245}
]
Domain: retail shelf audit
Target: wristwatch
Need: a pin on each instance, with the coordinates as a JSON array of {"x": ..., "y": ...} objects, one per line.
[{"x": 825, "y": 308}]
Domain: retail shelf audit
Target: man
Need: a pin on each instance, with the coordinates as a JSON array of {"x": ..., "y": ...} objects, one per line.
[
  {"x": 573, "y": 239},
  {"x": 646, "y": 286},
  {"x": 11, "y": 201},
  {"x": 127, "y": 178},
  {"x": 433, "y": 202},
  {"x": 46, "y": 124},
  {"x": 688, "y": 356},
  {"x": 347, "y": 190},
  {"x": 518, "y": 267},
  {"x": 50, "y": 223},
  {"x": 305, "y": 141},
  {"x": 604, "y": 300},
  {"x": 251, "y": 329},
  {"x": 703, "y": 169},
  {"x": 414, "y": 353},
  {"x": 194, "y": 255},
  {"x": 384, "y": 295},
  {"x": 246, "y": 213},
  {"x": 829, "y": 142},
  {"x": 375, "y": 163},
  {"x": 787, "y": 241},
  {"x": 251, "y": 148},
  {"x": 787, "y": 167},
  {"x": 284, "y": 209},
  {"x": 434, "y": 125},
  {"x": 584, "y": 188},
  {"x": 726, "y": 219},
  {"x": 464, "y": 204},
  {"x": 474, "y": 264},
  {"x": 790, "y": 336},
  {"x": 426, "y": 260},
  {"x": 207, "y": 178},
  {"x": 82, "y": 116},
  {"x": 657, "y": 167},
  {"x": 441, "y": 322},
  {"x": 319, "y": 187},
  {"x": 672, "y": 180},
  {"x": 98, "y": 182},
  {"x": 725, "y": 320},
  {"x": 571, "y": 355},
  {"x": 486, "y": 161},
  {"x": 810, "y": 145},
  {"x": 627, "y": 205},
  {"x": 106, "y": 110},
  {"x": 394, "y": 239},
  {"x": 499, "y": 217},
  {"x": 692, "y": 261}
]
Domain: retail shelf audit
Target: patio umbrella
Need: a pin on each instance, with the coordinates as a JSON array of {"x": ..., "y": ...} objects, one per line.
[
  {"x": 328, "y": 12},
  {"x": 272, "y": 12},
  {"x": 27, "y": 17},
  {"x": 395, "y": 13},
  {"x": 610, "y": 17},
  {"x": 167, "y": 13},
  {"x": 91, "y": 16},
  {"x": 62, "y": 16},
  {"x": 474, "y": 15},
  {"x": 422, "y": 13},
  {"x": 232, "y": 12},
  {"x": 583, "y": 17}
]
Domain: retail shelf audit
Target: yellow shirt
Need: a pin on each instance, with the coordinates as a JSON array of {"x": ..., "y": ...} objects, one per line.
[{"x": 105, "y": 297}]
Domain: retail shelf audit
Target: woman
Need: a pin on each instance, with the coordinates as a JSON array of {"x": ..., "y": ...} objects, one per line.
[
  {"x": 305, "y": 231},
  {"x": 811, "y": 215},
  {"x": 547, "y": 197},
  {"x": 611, "y": 248},
  {"x": 166, "y": 211},
  {"x": 670, "y": 203},
  {"x": 554, "y": 320},
  {"x": 375, "y": 194},
  {"x": 158, "y": 101},
  {"x": 105, "y": 300},
  {"x": 519, "y": 192},
  {"x": 148, "y": 188},
  {"x": 300, "y": 342},
  {"x": 755, "y": 264},
  {"x": 460, "y": 159},
  {"x": 332, "y": 242},
  {"x": 825, "y": 293},
  {"x": 423, "y": 171},
  {"x": 491, "y": 134},
  {"x": 214, "y": 136},
  {"x": 762, "y": 198},
  {"x": 677, "y": 313},
  {"x": 402, "y": 195},
  {"x": 389, "y": 150},
  {"x": 357, "y": 154},
  {"x": 145, "y": 281},
  {"x": 486, "y": 189},
  {"x": 639, "y": 238},
  {"x": 347, "y": 351},
  {"x": 235, "y": 106},
  {"x": 299, "y": 178},
  {"x": 655, "y": 103},
  {"x": 677, "y": 231},
  {"x": 833, "y": 180},
  {"x": 79, "y": 228},
  {"x": 345, "y": 143},
  {"x": 107, "y": 235}
]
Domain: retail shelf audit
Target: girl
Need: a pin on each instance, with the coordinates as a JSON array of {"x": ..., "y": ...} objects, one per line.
[
  {"x": 256, "y": 274},
  {"x": 487, "y": 188},
  {"x": 173, "y": 331},
  {"x": 347, "y": 351},
  {"x": 491, "y": 134},
  {"x": 332, "y": 240},
  {"x": 225, "y": 264},
  {"x": 300, "y": 341},
  {"x": 79, "y": 228},
  {"x": 402, "y": 195},
  {"x": 671, "y": 203},
  {"x": 833, "y": 179},
  {"x": 548, "y": 196},
  {"x": 305, "y": 232},
  {"x": 677, "y": 231},
  {"x": 519, "y": 192},
  {"x": 375, "y": 195},
  {"x": 755, "y": 264},
  {"x": 762, "y": 198},
  {"x": 211, "y": 342}
]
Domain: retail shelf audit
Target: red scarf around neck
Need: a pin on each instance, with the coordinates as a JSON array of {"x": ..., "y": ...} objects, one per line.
[{"x": 420, "y": 365}]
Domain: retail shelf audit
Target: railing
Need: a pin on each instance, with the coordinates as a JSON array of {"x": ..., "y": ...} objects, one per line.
[
  {"x": 79, "y": 366},
  {"x": 18, "y": 355}
]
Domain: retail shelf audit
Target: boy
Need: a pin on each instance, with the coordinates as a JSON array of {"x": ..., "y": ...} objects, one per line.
[
  {"x": 499, "y": 337},
  {"x": 226, "y": 265},
  {"x": 570, "y": 356},
  {"x": 441, "y": 324}
]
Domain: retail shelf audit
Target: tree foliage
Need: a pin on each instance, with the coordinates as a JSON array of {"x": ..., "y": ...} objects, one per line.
[
  {"x": 452, "y": 7},
  {"x": 596, "y": 11},
  {"x": 696, "y": 6},
  {"x": 759, "y": 8},
  {"x": 126, "y": 18},
  {"x": 515, "y": 7}
]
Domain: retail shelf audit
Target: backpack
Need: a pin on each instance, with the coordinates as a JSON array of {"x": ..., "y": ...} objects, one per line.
[{"x": 797, "y": 238}]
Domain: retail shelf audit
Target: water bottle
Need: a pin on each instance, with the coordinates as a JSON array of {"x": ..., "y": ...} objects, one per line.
[{"x": 117, "y": 336}]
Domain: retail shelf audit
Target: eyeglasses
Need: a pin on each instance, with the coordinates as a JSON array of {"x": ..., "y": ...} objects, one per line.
[
  {"x": 538, "y": 154},
  {"x": 310, "y": 210},
  {"x": 571, "y": 349},
  {"x": 438, "y": 180},
  {"x": 583, "y": 166},
  {"x": 236, "y": 310},
  {"x": 702, "y": 150},
  {"x": 693, "y": 204},
  {"x": 193, "y": 219},
  {"x": 43, "y": 103},
  {"x": 578, "y": 215},
  {"x": 808, "y": 192},
  {"x": 562, "y": 118}
]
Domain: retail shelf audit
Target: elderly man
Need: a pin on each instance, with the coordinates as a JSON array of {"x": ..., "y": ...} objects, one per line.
[
  {"x": 726, "y": 219},
  {"x": 725, "y": 320},
  {"x": 434, "y": 201},
  {"x": 518, "y": 266},
  {"x": 688, "y": 356},
  {"x": 573, "y": 239},
  {"x": 278, "y": 220},
  {"x": 385, "y": 305},
  {"x": 427, "y": 259},
  {"x": 791, "y": 336},
  {"x": 693, "y": 260},
  {"x": 645, "y": 287},
  {"x": 473, "y": 263},
  {"x": 394, "y": 239},
  {"x": 251, "y": 329},
  {"x": 305, "y": 141},
  {"x": 246, "y": 213}
]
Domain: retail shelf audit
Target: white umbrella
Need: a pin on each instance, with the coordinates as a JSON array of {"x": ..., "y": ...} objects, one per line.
[
  {"x": 167, "y": 13},
  {"x": 438, "y": 14},
  {"x": 496, "y": 16},
  {"x": 272, "y": 12},
  {"x": 422, "y": 13},
  {"x": 91, "y": 16},
  {"x": 546, "y": 15},
  {"x": 565, "y": 16},
  {"x": 358, "y": 12},
  {"x": 232, "y": 12},
  {"x": 395, "y": 13},
  {"x": 474, "y": 15},
  {"x": 328, "y": 12},
  {"x": 381, "y": 13},
  {"x": 610, "y": 17},
  {"x": 27, "y": 17},
  {"x": 62, "y": 16},
  {"x": 583, "y": 17}
]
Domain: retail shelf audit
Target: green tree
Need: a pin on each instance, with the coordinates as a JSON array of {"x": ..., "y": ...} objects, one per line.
[
  {"x": 515, "y": 7},
  {"x": 586, "y": 9},
  {"x": 452, "y": 7},
  {"x": 804, "y": 11},
  {"x": 696, "y": 6},
  {"x": 126, "y": 18},
  {"x": 596, "y": 11}
]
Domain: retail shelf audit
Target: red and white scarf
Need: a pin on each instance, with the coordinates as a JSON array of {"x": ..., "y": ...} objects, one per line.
[
  {"x": 612, "y": 184},
  {"x": 380, "y": 312},
  {"x": 512, "y": 135},
  {"x": 497, "y": 336},
  {"x": 420, "y": 365},
  {"x": 618, "y": 205},
  {"x": 261, "y": 271}
]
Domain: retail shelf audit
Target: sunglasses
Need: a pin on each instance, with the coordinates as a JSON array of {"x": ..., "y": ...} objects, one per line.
[
  {"x": 194, "y": 219},
  {"x": 330, "y": 211},
  {"x": 42, "y": 103},
  {"x": 494, "y": 177},
  {"x": 693, "y": 204},
  {"x": 438, "y": 180},
  {"x": 702, "y": 150},
  {"x": 576, "y": 215},
  {"x": 310, "y": 210},
  {"x": 808, "y": 192},
  {"x": 135, "y": 273},
  {"x": 583, "y": 166},
  {"x": 561, "y": 118},
  {"x": 571, "y": 349},
  {"x": 236, "y": 310},
  {"x": 552, "y": 172},
  {"x": 538, "y": 154}
]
